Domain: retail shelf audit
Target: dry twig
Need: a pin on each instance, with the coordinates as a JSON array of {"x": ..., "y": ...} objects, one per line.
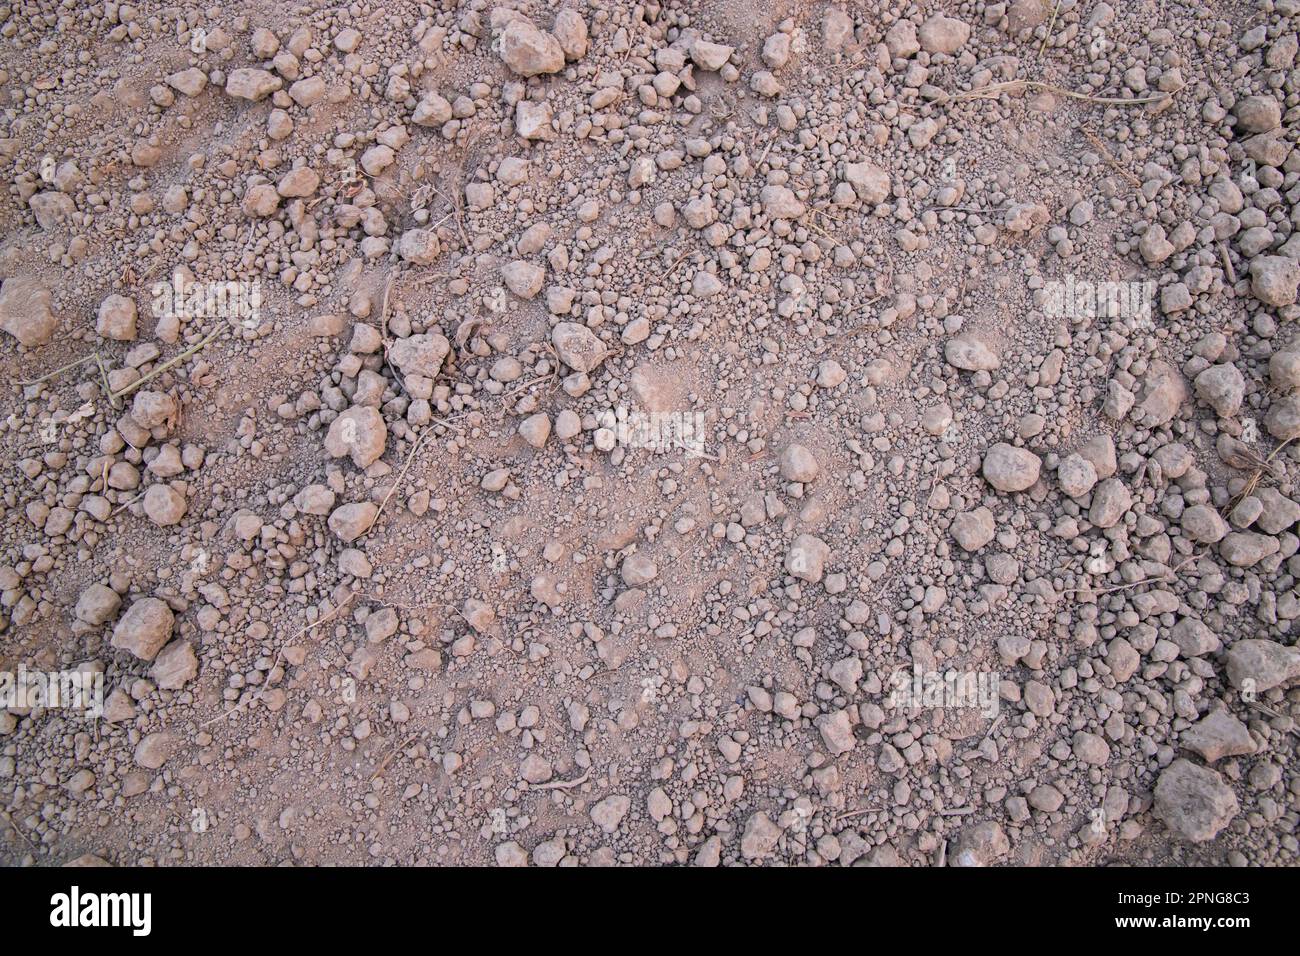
[
  {"x": 115, "y": 396},
  {"x": 994, "y": 90},
  {"x": 561, "y": 784},
  {"x": 1109, "y": 157}
]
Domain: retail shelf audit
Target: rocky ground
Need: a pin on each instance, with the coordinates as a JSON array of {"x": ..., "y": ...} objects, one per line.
[{"x": 374, "y": 571}]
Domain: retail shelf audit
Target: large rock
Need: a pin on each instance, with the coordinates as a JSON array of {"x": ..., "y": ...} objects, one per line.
[
  {"x": 608, "y": 813},
  {"x": 941, "y": 34},
  {"x": 533, "y": 120},
  {"x": 1284, "y": 369},
  {"x": 298, "y": 183},
  {"x": 116, "y": 318},
  {"x": 759, "y": 838},
  {"x": 419, "y": 247},
  {"x": 974, "y": 529},
  {"x": 377, "y": 158},
  {"x": 1193, "y": 802},
  {"x": 250, "y": 84},
  {"x": 1217, "y": 736},
  {"x": 836, "y": 731},
  {"x": 1164, "y": 392},
  {"x": 176, "y": 666},
  {"x": 981, "y": 845},
  {"x": 155, "y": 750},
  {"x": 359, "y": 432},
  {"x": 1274, "y": 280},
  {"x": 308, "y": 92},
  {"x": 1245, "y": 549},
  {"x": 1076, "y": 475},
  {"x": 189, "y": 82},
  {"x": 529, "y": 51},
  {"x": 164, "y": 505},
  {"x": 1279, "y": 513},
  {"x": 432, "y": 110},
  {"x": 1194, "y": 638},
  {"x": 1090, "y": 749},
  {"x": 837, "y": 29},
  {"x": 900, "y": 39},
  {"x": 351, "y": 521},
  {"x": 151, "y": 409},
  {"x": 1122, "y": 659},
  {"x": 535, "y": 429},
  {"x": 797, "y": 463},
  {"x": 571, "y": 32},
  {"x": 807, "y": 557},
  {"x": 638, "y": 569},
  {"x": 1203, "y": 524},
  {"x": 970, "y": 354},
  {"x": 52, "y": 208},
  {"x": 577, "y": 346},
  {"x": 1100, "y": 453},
  {"x": 510, "y": 854},
  {"x": 1010, "y": 469},
  {"x": 420, "y": 354},
  {"x": 480, "y": 616},
  {"x": 870, "y": 183},
  {"x": 776, "y": 50},
  {"x": 710, "y": 56},
  {"x": 523, "y": 278},
  {"x": 1265, "y": 664},
  {"x": 315, "y": 500},
  {"x": 780, "y": 202},
  {"x": 1025, "y": 14},
  {"x": 1283, "y": 418},
  {"x": 260, "y": 201},
  {"x": 25, "y": 311},
  {"x": 1222, "y": 387},
  {"x": 144, "y": 628},
  {"x": 97, "y": 605},
  {"x": 1110, "y": 501},
  {"x": 1258, "y": 114}
]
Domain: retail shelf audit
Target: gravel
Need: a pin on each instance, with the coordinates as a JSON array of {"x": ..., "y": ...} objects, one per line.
[{"x": 653, "y": 434}]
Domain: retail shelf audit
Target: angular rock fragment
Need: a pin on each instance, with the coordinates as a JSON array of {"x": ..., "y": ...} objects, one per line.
[
  {"x": 251, "y": 84},
  {"x": 144, "y": 628},
  {"x": 421, "y": 354},
  {"x": 529, "y": 51},
  {"x": 359, "y": 433},
  {"x": 577, "y": 346},
  {"x": 25, "y": 311},
  {"x": 1193, "y": 802},
  {"x": 807, "y": 558},
  {"x": 1258, "y": 665},
  {"x": 1218, "y": 735}
]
